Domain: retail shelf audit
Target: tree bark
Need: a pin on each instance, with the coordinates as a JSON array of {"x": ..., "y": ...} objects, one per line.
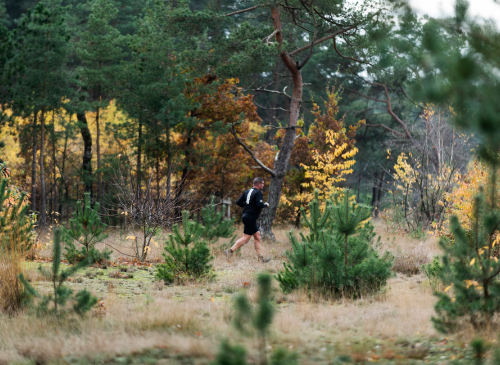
[
  {"x": 43, "y": 213},
  {"x": 169, "y": 174},
  {"x": 87, "y": 152},
  {"x": 139, "y": 155},
  {"x": 33, "y": 165},
  {"x": 56, "y": 189},
  {"x": 157, "y": 171},
  {"x": 379, "y": 194},
  {"x": 281, "y": 163},
  {"x": 98, "y": 151},
  {"x": 63, "y": 176}
]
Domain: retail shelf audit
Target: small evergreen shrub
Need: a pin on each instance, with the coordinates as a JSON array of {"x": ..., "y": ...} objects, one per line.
[
  {"x": 470, "y": 273},
  {"x": 186, "y": 255},
  {"x": 16, "y": 238},
  {"x": 338, "y": 256},
  {"x": 254, "y": 322},
  {"x": 434, "y": 269},
  {"x": 87, "y": 229},
  {"x": 15, "y": 224},
  {"x": 56, "y": 302},
  {"x": 215, "y": 226}
]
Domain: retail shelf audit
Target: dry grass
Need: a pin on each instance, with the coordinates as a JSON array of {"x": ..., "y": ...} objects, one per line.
[
  {"x": 192, "y": 319},
  {"x": 409, "y": 253},
  {"x": 11, "y": 266}
]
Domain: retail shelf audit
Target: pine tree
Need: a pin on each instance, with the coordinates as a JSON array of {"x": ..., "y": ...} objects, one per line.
[
  {"x": 471, "y": 269},
  {"x": 87, "y": 229},
  {"x": 55, "y": 302},
  {"x": 318, "y": 220},
  {"x": 185, "y": 254},
  {"x": 338, "y": 258},
  {"x": 215, "y": 226},
  {"x": 254, "y": 321},
  {"x": 100, "y": 50},
  {"x": 155, "y": 96},
  {"x": 14, "y": 218},
  {"x": 41, "y": 80}
]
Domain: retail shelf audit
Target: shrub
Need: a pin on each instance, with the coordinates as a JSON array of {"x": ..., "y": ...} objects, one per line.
[
  {"x": 87, "y": 229},
  {"x": 338, "y": 255},
  {"x": 55, "y": 302},
  {"x": 215, "y": 226},
  {"x": 471, "y": 270},
  {"x": 11, "y": 289},
  {"x": 16, "y": 233},
  {"x": 254, "y": 321},
  {"x": 15, "y": 224},
  {"x": 185, "y": 254}
]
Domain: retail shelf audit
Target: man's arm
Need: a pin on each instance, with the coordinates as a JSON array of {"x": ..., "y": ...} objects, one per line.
[
  {"x": 241, "y": 201},
  {"x": 259, "y": 200}
]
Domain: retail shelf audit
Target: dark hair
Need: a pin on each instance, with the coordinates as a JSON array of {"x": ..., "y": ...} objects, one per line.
[{"x": 258, "y": 180}]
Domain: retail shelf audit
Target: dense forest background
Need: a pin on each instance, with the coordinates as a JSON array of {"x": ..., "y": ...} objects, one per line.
[{"x": 187, "y": 99}]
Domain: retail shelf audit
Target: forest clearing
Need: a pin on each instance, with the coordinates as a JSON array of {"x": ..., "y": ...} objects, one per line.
[
  {"x": 185, "y": 323},
  {"x": 264, "y": 182}
]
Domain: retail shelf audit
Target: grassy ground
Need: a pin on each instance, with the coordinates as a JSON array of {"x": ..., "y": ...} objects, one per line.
[{"x": 142, "y": 321}]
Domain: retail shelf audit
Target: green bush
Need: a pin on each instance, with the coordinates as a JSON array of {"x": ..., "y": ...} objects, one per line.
[
  {"x": 15, "y": 224},
  {"x": 186, "y": 255},
  {"x": 254, "y": 322},
  {"x": 215, "y": 226},
  {"x": 433, "y": 269},
  {"x": 471, "y": 273},
  {"x": 338, "y": 256},
  {"x": 87, "y": 229},
  {"x": 56, "y": 301}
]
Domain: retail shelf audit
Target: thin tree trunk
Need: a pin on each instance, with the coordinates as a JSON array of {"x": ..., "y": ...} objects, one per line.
[
  {"x": 87, "y": 152},
  {"x": 157, "y": 172},
  {"x": 98, "y": 151},
  {"x": 139, "y": 155},
  {"x": 33, "y": 165},
  {"x": 56, "y": 190},
  {"x": 63, "y": 176},
  {"x": 286, "y": 147},
  {"x": 379, "y": 194},
  {"x": 43, "y": 213},
  {"x": 169, "y": 173}
]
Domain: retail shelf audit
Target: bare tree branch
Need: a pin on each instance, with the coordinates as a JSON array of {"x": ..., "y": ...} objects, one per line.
[
  {"x": 389, "y": 106},
  {"x": 279, "y": 108},
  {"x": 271, "y": 126},
  {"x": 244, "y": 10},
  {"x": 348, "y": 58},
  {"x": 250, "y": 152},
  {"x": 321, "y": 40},
  {"x": 266, "y": 39},
  {"x": 367, "y": 125}
]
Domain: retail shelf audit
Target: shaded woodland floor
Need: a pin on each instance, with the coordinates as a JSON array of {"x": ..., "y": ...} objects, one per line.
[{"x": 142, "y": 321}]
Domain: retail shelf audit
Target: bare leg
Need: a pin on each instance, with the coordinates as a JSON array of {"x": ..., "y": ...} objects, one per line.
[
  {"x": 256, "y": 241},
  {"x": 241, "y": 242}
]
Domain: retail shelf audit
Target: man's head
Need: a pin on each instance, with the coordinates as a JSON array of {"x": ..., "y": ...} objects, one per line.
[{"x": 258, "y": 183}]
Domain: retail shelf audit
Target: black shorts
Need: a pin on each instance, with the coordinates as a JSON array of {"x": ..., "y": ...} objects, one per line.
[{"x": 250, "y": 225}]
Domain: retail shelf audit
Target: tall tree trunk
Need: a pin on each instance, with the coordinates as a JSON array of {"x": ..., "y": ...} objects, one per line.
[
  {"x": 33, "y": 165},
  {"x": 281, "y": 163},
  {"x": 169, "y": 174},
  {"x": 43, "y": 213},
  {"x": 180, "y": 188},
  {"x": 379, "y": 194},
  {"x": 56, "y": 190},
  {"x": 157, "y": 171},
  {"x": 63, "y": 176},
  {"x": 87, "y": 152},
  {"x": 139, "y": 155},
  {"x": 98, "y": 151}
]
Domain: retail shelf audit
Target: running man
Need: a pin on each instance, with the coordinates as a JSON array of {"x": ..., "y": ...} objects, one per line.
[{"x": 252, "y": 202}]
